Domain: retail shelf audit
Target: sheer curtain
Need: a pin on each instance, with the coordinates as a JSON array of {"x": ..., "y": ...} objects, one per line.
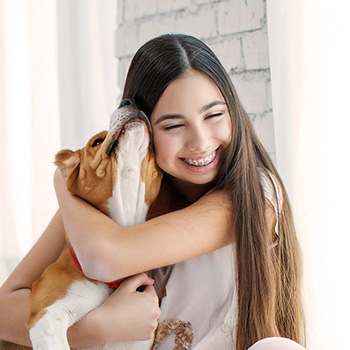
[
  {"x": 57, "y": 88},
  {"x": 310, "y": 75},
  {"x": 29, "y": 123}
]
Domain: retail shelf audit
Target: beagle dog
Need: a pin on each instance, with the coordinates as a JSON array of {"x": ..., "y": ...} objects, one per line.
[{"x": 117, "y": 173}]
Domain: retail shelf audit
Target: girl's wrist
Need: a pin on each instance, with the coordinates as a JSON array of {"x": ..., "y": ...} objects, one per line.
[
  {"x": 89, "y": 331},
  {"x": 97, "y": 319}
]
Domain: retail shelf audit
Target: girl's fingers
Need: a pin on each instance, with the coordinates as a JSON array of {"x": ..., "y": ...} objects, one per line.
[{"x": 135, "y": 282}]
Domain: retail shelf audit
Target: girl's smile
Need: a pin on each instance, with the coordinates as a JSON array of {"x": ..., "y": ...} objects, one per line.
[
  {"x": 202, "y": 164},
  {"x": 192, "y": 128}
]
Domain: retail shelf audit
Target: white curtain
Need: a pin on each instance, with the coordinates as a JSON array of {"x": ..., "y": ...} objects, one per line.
[
  {"x": 57, "y": 88},
  {"x": 309, "y": 58},
  {"x": 87, "y": 67}
]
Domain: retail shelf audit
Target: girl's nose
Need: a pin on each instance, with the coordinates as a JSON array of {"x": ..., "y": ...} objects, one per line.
[{"x": 198, "y": 140}]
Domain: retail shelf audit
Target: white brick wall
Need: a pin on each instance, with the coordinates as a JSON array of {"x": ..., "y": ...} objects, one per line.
[
  {"x": 240, "y": 15},
  {"x": 200, "y": 23},
  {"x": 235, "y": 29}
]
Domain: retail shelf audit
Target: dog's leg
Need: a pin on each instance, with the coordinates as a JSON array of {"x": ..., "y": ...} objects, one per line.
[{"x": 50, "y": 331}]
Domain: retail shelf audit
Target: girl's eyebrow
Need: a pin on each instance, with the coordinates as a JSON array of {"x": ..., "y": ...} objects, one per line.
[
  {"x": 169, "y": 116},
  {"x": 180, "y": 116},
  {"x": 211, "y": 104}
]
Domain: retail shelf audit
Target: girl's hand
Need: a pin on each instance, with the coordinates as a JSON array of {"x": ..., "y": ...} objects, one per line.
[{"x": 129, "y": 314}]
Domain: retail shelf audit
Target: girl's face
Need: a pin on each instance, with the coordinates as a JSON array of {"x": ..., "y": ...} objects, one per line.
[{"x": 192, "y": 127}]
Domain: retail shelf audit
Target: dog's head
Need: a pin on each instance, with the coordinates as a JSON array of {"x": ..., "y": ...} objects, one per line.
[{"x": 113, "y": 165}]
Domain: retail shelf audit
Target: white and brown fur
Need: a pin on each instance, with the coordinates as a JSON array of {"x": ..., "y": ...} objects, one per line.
[{"x": 117, "y": 173}]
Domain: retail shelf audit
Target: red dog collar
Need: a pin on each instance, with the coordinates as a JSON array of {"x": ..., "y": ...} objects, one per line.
[{"x": 113, "y": 285}]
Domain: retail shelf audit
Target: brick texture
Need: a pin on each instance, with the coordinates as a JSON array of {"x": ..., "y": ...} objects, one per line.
[{"x": 236, "y": 30}]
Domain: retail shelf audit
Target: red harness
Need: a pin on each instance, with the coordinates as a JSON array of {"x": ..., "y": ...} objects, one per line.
[{"x": 113, "y": 285}]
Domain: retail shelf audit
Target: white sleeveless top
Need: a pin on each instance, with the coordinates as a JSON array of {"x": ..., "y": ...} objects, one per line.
[{"x": 202, "y": 291}]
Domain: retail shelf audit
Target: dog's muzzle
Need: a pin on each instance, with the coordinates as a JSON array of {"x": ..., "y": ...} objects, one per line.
[{"x": 126, "y": 112}]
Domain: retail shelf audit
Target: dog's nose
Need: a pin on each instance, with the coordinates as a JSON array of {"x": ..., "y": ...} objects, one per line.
[{"x": 127, "y": 102}]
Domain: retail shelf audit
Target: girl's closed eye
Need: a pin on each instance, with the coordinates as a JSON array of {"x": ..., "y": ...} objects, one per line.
[
  {"x": 214, "y": 115},
  {"x": 172, "y": 126}
]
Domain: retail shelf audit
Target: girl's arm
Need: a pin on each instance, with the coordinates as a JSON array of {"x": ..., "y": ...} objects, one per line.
[
  {"x": 133, "y": 314},
  {"x": 108, "y": 251},
  {"x": 15, "y": 292}
]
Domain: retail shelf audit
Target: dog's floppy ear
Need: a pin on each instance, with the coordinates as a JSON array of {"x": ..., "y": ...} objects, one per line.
[{"x": 68, "y": 162}]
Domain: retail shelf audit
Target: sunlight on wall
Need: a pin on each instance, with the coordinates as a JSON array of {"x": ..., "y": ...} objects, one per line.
[
  {"x": 18, "y": 116},
  {"x": 324, "y": 105},
  {"x": 309, "y": 71},
  {"x": 334, "y": 166}
]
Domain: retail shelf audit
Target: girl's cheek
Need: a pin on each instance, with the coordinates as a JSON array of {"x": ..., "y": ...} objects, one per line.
[
  {"x": 162, "y": 146},
  {"x": 157, "y": 141},
  {"x": 163, "y": 140},
  {"x": 228, "y": 132}
]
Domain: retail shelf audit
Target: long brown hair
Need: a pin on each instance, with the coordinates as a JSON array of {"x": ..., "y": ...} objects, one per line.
[{"x": 269, "y": 278}]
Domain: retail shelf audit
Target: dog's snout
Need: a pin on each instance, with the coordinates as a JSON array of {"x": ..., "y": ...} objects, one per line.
[{"x": 127, "y": 102}]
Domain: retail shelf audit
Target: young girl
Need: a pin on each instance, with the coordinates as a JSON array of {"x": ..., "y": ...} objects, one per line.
[{"x": 233, "y": 235}]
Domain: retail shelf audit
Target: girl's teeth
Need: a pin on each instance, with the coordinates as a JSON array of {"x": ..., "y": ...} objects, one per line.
[{"x": 201, "y": 162}]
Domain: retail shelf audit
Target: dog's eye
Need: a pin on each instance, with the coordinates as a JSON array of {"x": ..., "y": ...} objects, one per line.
[{"x": 97, "y": 142}]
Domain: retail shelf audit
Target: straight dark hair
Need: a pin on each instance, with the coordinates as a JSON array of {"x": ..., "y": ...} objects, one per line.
[{"x": 269, "y": 279}]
